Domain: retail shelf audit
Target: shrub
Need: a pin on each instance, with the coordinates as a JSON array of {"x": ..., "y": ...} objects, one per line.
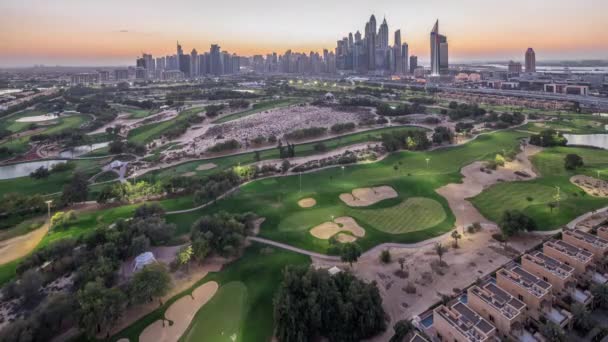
[{"x": 385, "y": 256}]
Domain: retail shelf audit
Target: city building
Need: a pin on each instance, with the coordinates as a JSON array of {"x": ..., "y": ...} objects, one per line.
[
  {"x": 570, "y": 89},
  {"x": 602, "y": 232},
  {"x": 514, "y": 67},
  {"x": 370, "y": 38},
  {"x": 405, "y": 59},
  {"x": 84, "y": 78},
  {"x": 589, "y": 242},
  {"x": 556, "y": 273},
  {"x": 530, "y": 60},
  {"x": 121, "y": 74},
  {"x": 439, "y": 51},
  {"x": 505, "y": 312},
  {"x": 413, "y": 63},
  {"x": 104, "y": 75},
  {"x": 215, "y": 62},
  {"x": 533, "y": 291},
  {"x": 461, "y": 324},
  {"x": 580, "y": 259}
]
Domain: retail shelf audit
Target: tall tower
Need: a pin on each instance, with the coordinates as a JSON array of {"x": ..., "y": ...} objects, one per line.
[
  {"x": 397, "y": 60},
  {"x": 435, "y": 50},
  {"x": 383, "y": 35},
  {"x": 194, "y": 63},
  {"x": 370, "y": 36},
  {"x": 530, "y": 60},
  {"x": 180, "y": 52}
]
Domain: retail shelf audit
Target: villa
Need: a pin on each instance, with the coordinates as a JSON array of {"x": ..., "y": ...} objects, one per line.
[
  {"x": 580, "y": 259},
  {"x": 461, "y": 324},
  {"x": 590, "y": 242},
  {"x": 603, "y": 232}
]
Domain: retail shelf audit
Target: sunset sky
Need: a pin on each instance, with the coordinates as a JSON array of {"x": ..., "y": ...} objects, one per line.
[{"x": 114, "y": 32}]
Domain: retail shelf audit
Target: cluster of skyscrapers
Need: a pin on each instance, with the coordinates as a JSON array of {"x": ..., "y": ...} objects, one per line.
[{"x": 179, "y": 66}]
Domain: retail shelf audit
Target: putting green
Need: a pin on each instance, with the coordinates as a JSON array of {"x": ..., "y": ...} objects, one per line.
[
  {"x": 221, "y": 318},
  {"x": 413, "y": 214}
]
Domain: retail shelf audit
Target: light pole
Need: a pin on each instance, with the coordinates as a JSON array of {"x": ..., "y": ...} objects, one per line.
[
  {"x": 342, "y": 171},
  {"x": 598, "y": 174},
  {"x": 427, "y": 162},
  {"x": 300, "y": 181},
  {"x": 134, "y": 177},
  {"x": 48, "y": 205}
]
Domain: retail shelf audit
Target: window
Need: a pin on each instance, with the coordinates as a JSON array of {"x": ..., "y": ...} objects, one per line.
[
  {"x": 520, "y": 297},
  {"x": 545, "y": 279},
  {"x": 491, "y": 318}
]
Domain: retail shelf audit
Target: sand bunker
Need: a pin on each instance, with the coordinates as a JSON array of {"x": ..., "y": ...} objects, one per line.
[
  {"x": 328, "y": 229},
  {"x": 21, "y": 246},
  {"x": 307, "y": 202},
  {"x": 592, "y": 186},
  {"x": 38, "y": 118},
  {"x": 189, "y": 174},
  {"x": 363, "y": 197},
  {"x": 204, "y": 167},
  {"x": 181, "y": 314}
]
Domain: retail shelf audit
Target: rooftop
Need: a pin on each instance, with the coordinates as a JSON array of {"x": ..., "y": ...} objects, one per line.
[
  {"x": 570, "y": 250},
  {"x": 591, "y": 239},
  {"x": 603, "y": 232},
  {"x": 526, "y": 280},
  {"x": 554, "y": 266},
  {"x": 466, "y": 321},
  {"x": 498, "y": 298}
]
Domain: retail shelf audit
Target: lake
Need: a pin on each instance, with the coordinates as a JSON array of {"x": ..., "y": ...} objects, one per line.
[
  {"x": 24, "y": 169},
  {"x": 594, "y": 140},
  {"x": 80, "y": 150}
]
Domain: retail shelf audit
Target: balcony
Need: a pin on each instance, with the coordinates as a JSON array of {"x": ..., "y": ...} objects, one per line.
[{"x": 558, "y": 316}]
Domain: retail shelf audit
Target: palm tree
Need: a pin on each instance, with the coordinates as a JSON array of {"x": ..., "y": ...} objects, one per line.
[
  {"x": 440, "y": 250},
  {"x": 456, "y": 235}
]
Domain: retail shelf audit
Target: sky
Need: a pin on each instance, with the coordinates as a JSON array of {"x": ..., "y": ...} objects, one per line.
[{"x": 115, "y": 32}]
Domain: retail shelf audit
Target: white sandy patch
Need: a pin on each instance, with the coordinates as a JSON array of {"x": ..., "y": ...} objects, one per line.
[
  {"x": 363, "y": 197},
  {"x": 206, "y": 166},
  {"x": 123, "y": 340},
  {"x": 344, "y": 238},
  {"x": 592, "y": 186},
  {"x": 326, "y": 230},
  {"x": 307, "y": 202},
  {"x": 181, "y": 313},
  {"x": 38, "y": 118},
  {"x": 189, "y": 174},
  {"x": 21, "y": 246}
]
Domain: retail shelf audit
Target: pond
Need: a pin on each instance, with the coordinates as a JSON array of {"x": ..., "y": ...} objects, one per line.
[
  {"x": 24, "y": 169},
  {"x": 594, "y": 140},
  {"x": 80, "y": 150}
]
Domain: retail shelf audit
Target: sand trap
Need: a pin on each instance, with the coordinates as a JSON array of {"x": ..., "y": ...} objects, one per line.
[
  {"x": 592, "y": 186},
  {"x": 181, "y": 313},
  {"x": 207, "y": 166},
  {"x": 21, "y": 246},
  {"x": 328, "y": 229},
  {"x": 123, "y": 340},
  {"x": 344, "y": 238},
  {"x": 38, "y": 118},
  {"x": 189, "y": 174},
  {"x": 307, "y": 202},
  {"x": 363, "y": 197}
]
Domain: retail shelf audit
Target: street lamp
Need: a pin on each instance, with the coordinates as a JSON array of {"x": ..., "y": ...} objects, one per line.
[
  {"x": 342, "y": 171},
  {"x": 427, "y": 162},
  {"x": 598, "y": 174},
  {"x": 48, "y": 204},
  {"x": 300, "y": 181}
]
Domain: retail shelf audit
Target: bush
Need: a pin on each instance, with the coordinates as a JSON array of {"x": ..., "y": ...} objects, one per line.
[
  {"x": 306, "y": 133},
  {"x": 62, "y": 219},
  {"x": 228, "y": 145},
  {"x": 320, "y": 147},
  {"x": 39, "y": 173},
  {"x": 573, "y": 161},
  {"x": 385, "y": 256},
  {"x": 342, "y": 127}
]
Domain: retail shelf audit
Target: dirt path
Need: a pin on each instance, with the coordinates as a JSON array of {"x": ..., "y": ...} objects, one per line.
[{"x": 20, "y": 246}]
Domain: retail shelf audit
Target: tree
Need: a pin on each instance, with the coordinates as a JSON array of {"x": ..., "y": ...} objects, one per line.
[
  {"x": 573, "y": 161},
  {"x": 256, "y": 156},
  {"x": 100, "y": 307},
  {"x": 552, "y": 332},
  {"x": 184, "y": 255},
  {"x": 39, "y": 173},
  {"x": 385, "y": 256},
  {"x": 140, "y": 244},
  {"x": 581, "y": 317},
  {"x": 150, "y": 282},
  {"x": 29, "y": 285},
  {"x": 285, "y": 166},
  {"x": 600, "y": 294},
  {"x": 350, "y": 252},
  {"x": 200, "y": 249},
  {"x": 514, "y": 221},
  {"x": 401, "y": 262},
  {"x": 456, "y": 236},
  {"x": 77, "y": 190},
  {"x": 224, "y": 232},
  {"x": 401, "y": 328},
  {"x": 440, "y": 250}
]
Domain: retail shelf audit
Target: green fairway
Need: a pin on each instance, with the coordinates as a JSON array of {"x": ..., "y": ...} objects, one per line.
[
  {"x": 533, "y": 197},
  {"x": 243, "y": 303},
  {"x": 146, "y": 133},
  {"x": 221, "y": 318},
  {"x": 258, "y": 107}
]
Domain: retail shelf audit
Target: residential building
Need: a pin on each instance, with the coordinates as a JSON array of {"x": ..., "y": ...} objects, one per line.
[
  {"x": 514, "y": 67},
  {"x": 84, "y": 78},
  {"x": 589, "y": 242},
  {"x": 121, "y": 74},
  {"x": 556, "y": 273},
  {"x": 461, "y": 324},
  {"x": 413, "y": 63},
  {"x": 603, "y": 232},
  {"x": 570, "y": 89},
  {"x": 580, "y": 259},
  {"x": 530, "y": 60},
  {"x": 531, "y": 290},
  {"x": 505, "y": 312}
]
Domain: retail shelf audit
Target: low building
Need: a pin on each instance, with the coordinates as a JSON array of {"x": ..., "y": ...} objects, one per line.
[
  {"x": 569, "y": 89},
  {"x": 505, "y": 312},
  {"x": 581, "y": 260},
  {"x": 533, "y": 291},
  {"x": 603, "y": 232},
  {"x": 589, "y": 242},
  {"x": 555, "y": 272},
  {"x": 461, "y": 324}
]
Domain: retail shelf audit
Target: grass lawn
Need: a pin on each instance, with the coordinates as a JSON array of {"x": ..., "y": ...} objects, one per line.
[
  {"x": 8, "y": 271},
  {"x": 259, "y": 107},
  {"x": 574, "y": 125},
  {"x": 533, "y": 197},
  {"x": 10, "y": 122},
  {"x": 243, "y": 303},
  {"x": 146, "y": 133}
]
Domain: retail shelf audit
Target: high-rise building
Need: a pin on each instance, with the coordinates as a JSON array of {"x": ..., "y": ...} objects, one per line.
[
  {"x": 121, "y": 74},
  {"x": 439, "y": 51},
  {"x": 514, "y": 67},
  {"x": 383, "y": 35},
  {"x": 413, "y": 63},
  {"x": 397, "y": 59},
  {"x": 180, "y": 52},
  {"x": 530, "y": 60},
  {"x": 370, "y": 37},
  {"x": 194, "y": 63},
  {"x": 215, "y": 60},
  {"x": 404, "y": 58}
]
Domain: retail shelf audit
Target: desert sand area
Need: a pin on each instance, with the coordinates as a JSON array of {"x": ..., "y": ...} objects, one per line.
[
  {"x": 364, "y": 197},
  {"x": 328, "y": 229},
  {"x": 20, "y": 246},
  {"x": 478, "y": 255},
  {"x": 592, "y": 186},
  {"x": 475, "y": 181},
  {"x": 307, "y": 202},
  {"x": 180, "y": 313}
]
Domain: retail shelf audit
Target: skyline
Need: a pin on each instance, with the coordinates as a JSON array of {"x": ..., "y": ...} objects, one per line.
[{"x": 113, "y": 33}]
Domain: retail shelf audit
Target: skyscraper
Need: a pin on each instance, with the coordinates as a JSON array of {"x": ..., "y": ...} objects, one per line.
[
  {"x": 383, "y": 35},
  {"x": 530, "y": 60},
  {"x": 404, "y": 57},
  {"x": 194, "y": 64},
  {"x": 180, "y": 52},
  {"x": 215, "y": 60},
  {"x": 370, "y": 37},
  {"x": 398, "y": 61},
  {"x": 413, "y": 63},
  {"x": 439, "y": 46},
  {"x": 443, "y": 53}
]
